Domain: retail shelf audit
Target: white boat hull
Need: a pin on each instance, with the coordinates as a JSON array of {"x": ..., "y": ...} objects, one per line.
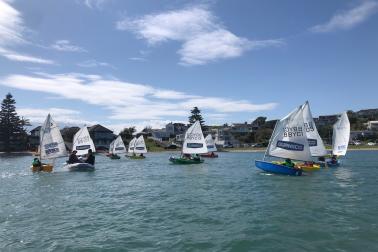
[{"x": 80, "y": 167}]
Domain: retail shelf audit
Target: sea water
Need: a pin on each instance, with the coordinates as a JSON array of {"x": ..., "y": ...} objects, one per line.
[{"x": 224, "y": 204}]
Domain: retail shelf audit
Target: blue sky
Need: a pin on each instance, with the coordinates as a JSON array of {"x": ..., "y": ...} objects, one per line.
[{"x": 123, "y": 63}]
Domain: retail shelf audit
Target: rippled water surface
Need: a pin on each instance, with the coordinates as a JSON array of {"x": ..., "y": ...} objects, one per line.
[{"x": 224, "y": 204}]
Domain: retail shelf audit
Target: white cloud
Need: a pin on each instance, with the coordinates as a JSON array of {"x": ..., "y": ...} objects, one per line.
[
  {"x": 94, "y": 63},
  {"x": 204, "y": 39},
  {"x": 95, "y": 3},
  {"x": 11, "y": 34},
  {"x": 59, "y": 115},
  {"x": 66, "y": 46},
  {"x": 11, "y": 25},
  {"x": 14, "y": 56},
  {"x": 128, "y": 101},
  {"x": 348, "y": 19}
]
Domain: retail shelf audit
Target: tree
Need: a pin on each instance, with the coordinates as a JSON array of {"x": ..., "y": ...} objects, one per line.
[
  {"x": 196, "y": 116},
  {"x": 259, "y": 121},
  {"x": 12, "y": 128},
  {"x": 127, "y": 134}
]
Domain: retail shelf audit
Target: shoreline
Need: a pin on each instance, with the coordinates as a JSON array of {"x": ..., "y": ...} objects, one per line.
[{"x": 233, "y": 150}]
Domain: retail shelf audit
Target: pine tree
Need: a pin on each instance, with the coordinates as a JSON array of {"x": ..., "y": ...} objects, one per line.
[
  {"x": 127, "y": 134},
  {"x": 12, "y": 128},
  {"x": 196, "y": 116}
]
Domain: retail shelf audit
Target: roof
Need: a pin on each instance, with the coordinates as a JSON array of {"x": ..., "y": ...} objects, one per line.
[
  {"x": 36, "y": 129},
  {"x": 98, "y": 128}
]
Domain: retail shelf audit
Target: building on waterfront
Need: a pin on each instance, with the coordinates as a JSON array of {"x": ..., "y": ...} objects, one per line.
[
  {"x": 326, "y": 120},
  {"x": 101, "y": 136},
  {"x": 33, "y": 138},
  {"x": 372, "y": 125}
]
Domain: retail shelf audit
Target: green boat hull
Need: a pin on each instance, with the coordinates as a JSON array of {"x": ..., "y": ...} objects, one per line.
[{"x": 184, "y": 161}]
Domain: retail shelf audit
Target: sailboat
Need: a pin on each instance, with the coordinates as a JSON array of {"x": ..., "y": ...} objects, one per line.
[
  {"x": 315, "y": 142},
  {"x": 139, "y": 148},
  {"x": 117, "y": 147},
  {"x": 82, "y": 143},
  {"x": 289, "y": 141},
  {"x": 131, "y": 148},
  {"x": 340, "y": 138},
  {"x": 194, "y": 143},
  {"x": 51, "y": 144},
  {"x": 211, "y": 147}
]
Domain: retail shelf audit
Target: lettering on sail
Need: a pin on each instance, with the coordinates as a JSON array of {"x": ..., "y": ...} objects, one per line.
[
  {"x": 82, "y": 140},
  {"x": 119, "y": 148},
  {"x": 290, "y": 146},
  {"x": 194, "y": 145},
  {"x": 309, "y": 126},
  {"x": 293, "y": 131},
  {"x": 194, "y": 136},
  {"x": 139, "y": 148},
  {"x": 51, "y": 148},
  {"x": 312, "y": 142}
]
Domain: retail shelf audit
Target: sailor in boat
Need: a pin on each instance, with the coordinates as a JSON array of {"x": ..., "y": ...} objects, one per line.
[
  {"x": 289, "y": 163},
  {"x": 90, "y": 158},
  {"x": 196, "y": 157},
  {"x": 73, "y": 159},
  {"x": 37, "y": 164},
  {"x": 334, "y": 159},
  {"x": 141, "y": 155}
]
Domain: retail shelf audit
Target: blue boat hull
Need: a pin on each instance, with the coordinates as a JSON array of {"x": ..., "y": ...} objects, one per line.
[
  {"x": 277, "y": 168},
  {"x": 330, "y": 164}
]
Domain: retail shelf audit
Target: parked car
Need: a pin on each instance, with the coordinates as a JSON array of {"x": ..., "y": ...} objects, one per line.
[{"x": 371, "y": 143}]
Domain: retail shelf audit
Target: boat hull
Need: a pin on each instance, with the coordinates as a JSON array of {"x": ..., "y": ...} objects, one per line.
[
  {"x": 209, "y": 155},
  {"x": 330, "y": 164},
  {"x": 184, "y": 161},
  {"x": 114, "y": 157},
  {"x": 80, "y": 167},
  {"x": 43, "y": 168},
  {"x": 277, "y": 168},
  {"x": 309, "y": 168}
]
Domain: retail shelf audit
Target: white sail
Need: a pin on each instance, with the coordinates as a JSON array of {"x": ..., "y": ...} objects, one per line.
[
  {"x": 82, "y": 142},
  {"x": 194, "y": 142},
  {"x": 289, "y": 138},
  {"x": 111, "y": 146},
  {"x": 315, "y": 142},
  {"x": 210, "y": 143},
  {"x": 51, "y": 140},
  {"x": 340, "y": 138},
  {"x": 132, "y": 145},
  {"x": 118, "y": 146},
  {"x": 140, "y": 145}
]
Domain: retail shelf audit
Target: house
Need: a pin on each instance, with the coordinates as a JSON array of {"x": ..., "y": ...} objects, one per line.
[
  {"x": 174, "y": 129},
  {"x": 101, "y": 136},
  {"x": 326, "y": 120},
  {"x": 372, "y": 125},
  {"x": 33, "y": 138},
  {"x": 160, "y": 135},
  {"x": 242, "y": 128}
]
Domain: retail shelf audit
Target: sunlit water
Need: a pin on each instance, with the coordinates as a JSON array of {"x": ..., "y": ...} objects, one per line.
[{"x": 224, "y": 204}]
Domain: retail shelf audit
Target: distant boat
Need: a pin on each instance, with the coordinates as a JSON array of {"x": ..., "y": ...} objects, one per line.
[
  {"x": 194, "y": 144},
  {"x": 117, "y": 147},
  {"x": 51, "y": 144},
  {"x": 340, "y": 138},
  {"x": 82, "y": 142},
  {"x": 289, "y": 141},
  {"x": 211, "y": 147},
  {"x": 137, "y": 146}
]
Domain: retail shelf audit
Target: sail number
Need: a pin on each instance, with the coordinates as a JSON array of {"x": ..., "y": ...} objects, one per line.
[
  {"x": 83, "y": 140},
  {"x": 293, "y": 131},
  {"x": 309, "y": 126},
  {"x": 194, "y": 136}
]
